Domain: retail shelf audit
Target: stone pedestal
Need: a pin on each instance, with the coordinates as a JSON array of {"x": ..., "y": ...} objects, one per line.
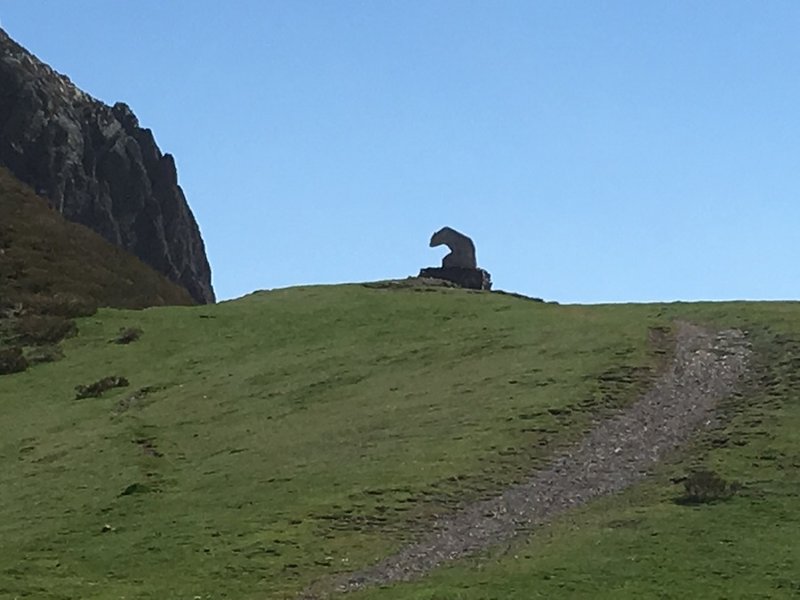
[{"x": 473, "y": 279}]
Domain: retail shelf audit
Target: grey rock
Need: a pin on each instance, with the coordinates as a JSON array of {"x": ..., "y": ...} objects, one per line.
[
  {"x": 98, "y": 167},
  {"x": 473, "y": 279}
]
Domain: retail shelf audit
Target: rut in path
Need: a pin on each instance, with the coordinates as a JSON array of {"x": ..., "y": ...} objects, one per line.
[{"x": 612, "y": 456}]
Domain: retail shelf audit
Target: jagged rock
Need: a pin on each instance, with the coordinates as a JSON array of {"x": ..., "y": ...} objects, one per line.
[
  {"x": 460, "y": 266},
  {"x": 98, "y": 167},
  {"x": 474, "y": 279}
]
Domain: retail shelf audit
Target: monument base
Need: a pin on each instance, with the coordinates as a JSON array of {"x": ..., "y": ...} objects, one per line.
[{"x": 473, "y": 279}]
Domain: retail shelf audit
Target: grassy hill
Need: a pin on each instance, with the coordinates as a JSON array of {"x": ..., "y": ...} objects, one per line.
[{"x": 266, "y": 443}]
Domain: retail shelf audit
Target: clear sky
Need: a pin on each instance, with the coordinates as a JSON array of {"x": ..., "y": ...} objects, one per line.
[{"x": 595, "y": 151}]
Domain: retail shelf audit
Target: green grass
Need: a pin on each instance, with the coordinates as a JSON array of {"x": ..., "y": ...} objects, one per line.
[
  {"x": 268, "y": 442},
  {"x": 641, "y": 543}
]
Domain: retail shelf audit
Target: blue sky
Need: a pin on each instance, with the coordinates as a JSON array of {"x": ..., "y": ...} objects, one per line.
[{"x": 595, "y": 151}]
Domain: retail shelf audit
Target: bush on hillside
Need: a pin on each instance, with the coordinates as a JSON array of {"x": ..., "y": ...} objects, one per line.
[
  {"x": 96, "y": 389},
  {"x": 127, "y": 335},
  {"x": 12, "y": 360},
  {"x": 37, "y": 330},
  {"x": 44, "y": 354},
  {"x": 59, "y": 305},
  {"x": 702, "y": 487},
  {"x": 10, "y": 308},
  {"x": 136, "y": 488}
]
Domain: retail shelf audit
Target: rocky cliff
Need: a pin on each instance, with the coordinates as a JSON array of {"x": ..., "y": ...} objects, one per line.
[{"x": 98, "y": 167}]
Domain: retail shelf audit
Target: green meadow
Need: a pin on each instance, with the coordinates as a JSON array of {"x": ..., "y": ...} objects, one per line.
[{"x": 273, "y": 441}]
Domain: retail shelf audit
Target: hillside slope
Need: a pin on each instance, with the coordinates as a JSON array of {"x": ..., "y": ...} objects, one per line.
[
  {"x": 644, "y": 543},
  {"x": 43, "y": 254},
  {"x": 271, "y": 442}
]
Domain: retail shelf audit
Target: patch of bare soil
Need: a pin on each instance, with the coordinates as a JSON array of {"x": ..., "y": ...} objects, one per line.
[{"x": 612, "y": 456}]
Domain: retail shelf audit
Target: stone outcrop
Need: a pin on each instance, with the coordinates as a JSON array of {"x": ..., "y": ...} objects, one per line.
[
  {"x": 98, "y": 167},
  {"x": 460, "y": 265},
  {"x": 474, "y": 279}
]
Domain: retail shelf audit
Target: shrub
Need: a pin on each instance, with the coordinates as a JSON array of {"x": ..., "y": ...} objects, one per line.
[
  {"x": 43, "y": 354},
  {"x": 96, "y": 389},
  {"x": 136, "y": 488},
  {"x": 60, "y": 305},
  {"x": 10, "y": 309},
  {"x": 41, "y": 330},
  {"x": 702, "y": 487},
  {"x": 127, "y": 335},
  {"x": 12, "y": 361}
]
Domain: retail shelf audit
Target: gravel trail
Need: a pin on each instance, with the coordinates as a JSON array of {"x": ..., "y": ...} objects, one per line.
[{"x": 612, "y": 456}]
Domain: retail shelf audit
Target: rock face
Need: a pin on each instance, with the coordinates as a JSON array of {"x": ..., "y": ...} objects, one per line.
[
  {"x": 460, "y": 266},
  {"x": 98, "y": 167}
]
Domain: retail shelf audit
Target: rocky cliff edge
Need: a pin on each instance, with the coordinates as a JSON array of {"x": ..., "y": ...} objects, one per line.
[{"x": 98, "y": 167}]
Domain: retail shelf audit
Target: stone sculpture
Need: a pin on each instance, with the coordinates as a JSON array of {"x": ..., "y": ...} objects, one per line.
[
  {"x": 462, "y": 250},
  {"x": 459, "y": 266}
]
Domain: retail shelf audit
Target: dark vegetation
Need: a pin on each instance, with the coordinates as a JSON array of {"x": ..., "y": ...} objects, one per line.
[
  {"x": 136, "y": 488},
  {"x": 44, "y": 354},
  {"x": 702, "y": 487},
  {"x": 127, "y": 335},
  {"x": 34, "y": 330},
  {"x": 12, "y": 360},
  {"x": 53, "y": 271},
  {"x": 96, "y": 389}
]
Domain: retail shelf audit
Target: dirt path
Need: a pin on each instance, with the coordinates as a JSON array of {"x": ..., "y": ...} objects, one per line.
[{"x": 612, "y": 456}]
